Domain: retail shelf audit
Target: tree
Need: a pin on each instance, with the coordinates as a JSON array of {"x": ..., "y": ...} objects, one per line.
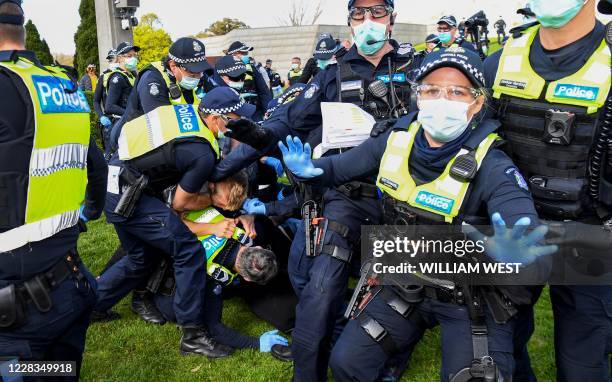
[
  {"x": 35, "y": 44},
  {"x": 222, "y": 27},
  {"x": 300, "y": 10},
  {"x": 86, "y": 37},
  {"x": 153, "y": 41}
]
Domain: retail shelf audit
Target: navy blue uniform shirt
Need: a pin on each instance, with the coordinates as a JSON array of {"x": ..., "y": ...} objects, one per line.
[
  {"x": 118, "y": 92},
  {"x": 303, "y": 115},
  {"x": 99, "y": 97},
  {"x": 27, "y": 261}
]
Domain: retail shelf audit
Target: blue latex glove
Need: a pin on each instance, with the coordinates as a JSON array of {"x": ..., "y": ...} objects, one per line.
[
  {"x": 276, "y": 164},
  {"x": 513, "y": 245},
  {"x": 297, "y": 158},
  {"x": 254, "y": 207},
  {"x": 105, "y": 121},
  {"x": 82, "y": 214},
  {"x": 269, "y": 339}
]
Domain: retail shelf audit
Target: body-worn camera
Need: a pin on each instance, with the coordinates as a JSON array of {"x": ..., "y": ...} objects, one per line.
[{"x": 559, "y": 129}]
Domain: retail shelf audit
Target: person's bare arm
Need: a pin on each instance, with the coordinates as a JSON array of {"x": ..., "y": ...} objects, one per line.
[
  {"x": 185, "y": 201},
  {"x": 224, "y": 228}
]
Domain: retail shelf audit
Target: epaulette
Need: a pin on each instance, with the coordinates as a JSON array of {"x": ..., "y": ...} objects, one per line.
[{"x": 516, "y": 32}]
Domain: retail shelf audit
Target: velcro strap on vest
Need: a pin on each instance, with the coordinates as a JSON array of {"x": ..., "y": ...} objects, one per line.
[
  {"x": 336, "y": 252},
  {"x": 378, "y": 333}
]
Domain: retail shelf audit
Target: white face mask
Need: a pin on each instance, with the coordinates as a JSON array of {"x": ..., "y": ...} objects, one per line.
[
  {"x": 236, "y": 85},
  {"x": 442, "y": 119},
  {"x": 294, "y": 66}
]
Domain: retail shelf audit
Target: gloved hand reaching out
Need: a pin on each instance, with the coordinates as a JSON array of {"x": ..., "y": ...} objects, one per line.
[
  {"x": 297, "y": 158},
  {"x": 269, "y": 339}
]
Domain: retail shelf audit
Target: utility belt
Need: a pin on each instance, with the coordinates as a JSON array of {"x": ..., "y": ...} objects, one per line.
[{"x": 14, "y": 298}]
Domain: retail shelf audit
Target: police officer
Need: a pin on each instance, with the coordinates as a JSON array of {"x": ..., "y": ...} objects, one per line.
[
  {"x": 99, "y": 97},
  {"x": 322, "y": 57},
  {"x": 121, "y": 81},
  {"x": 51, "y": 174},
  {"x": 230, "y": 72},
  {"x": 500, "y": 27},
  {"x": 320, "y": 281},
  {"x": 184, "y": 153},
  {"x": 295, "y": 71},
  {"x": 255, "y": 89},
  {"x": 448, "y": 34},
  {"x": 557, "y": 75},
  {"x": 414, "y": 158}
]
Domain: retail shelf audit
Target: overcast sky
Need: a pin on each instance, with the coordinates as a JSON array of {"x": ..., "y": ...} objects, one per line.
[{"x": 58, "y": 23}]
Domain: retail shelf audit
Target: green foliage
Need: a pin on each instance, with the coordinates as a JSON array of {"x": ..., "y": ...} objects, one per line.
[
  {"x": 86, "y": 37},
  {"x": 221, "y": 27},
  {"x": 131, "y": 350},
  {"x": 35, "y": 44},
  {"x": 152, "y": 39}
]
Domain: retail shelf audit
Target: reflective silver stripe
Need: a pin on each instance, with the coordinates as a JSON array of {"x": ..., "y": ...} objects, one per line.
[
  {"x": 37, "y": 231},
  {"x": 47, "y": 161}
]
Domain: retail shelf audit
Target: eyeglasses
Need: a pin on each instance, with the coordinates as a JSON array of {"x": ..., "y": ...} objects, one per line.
[
  {"x": 451, "y": 93},
  {"x": 377, "y": 12}
]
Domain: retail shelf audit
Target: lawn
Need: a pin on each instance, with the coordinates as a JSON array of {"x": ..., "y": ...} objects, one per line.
[{"x": 130, "y": 350}]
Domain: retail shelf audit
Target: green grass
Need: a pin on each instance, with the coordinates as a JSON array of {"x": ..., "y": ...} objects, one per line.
[{"x": 130, "y": 350}]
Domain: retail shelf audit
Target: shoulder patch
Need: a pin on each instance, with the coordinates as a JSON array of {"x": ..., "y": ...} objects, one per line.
[
  {"x": 311, "y": 91},
  {"x": 116, "y": 79},
  {"x": 153, "y": 89},
  {"x": 515, "y": 176},
  {"x": 405, "y": 49}
]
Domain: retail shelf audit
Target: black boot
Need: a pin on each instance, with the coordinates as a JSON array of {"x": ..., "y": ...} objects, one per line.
[
  {"x": 197, "y": 340},
  {"x": 282, "y": 353},
  {"x": 143, "y": 305}
]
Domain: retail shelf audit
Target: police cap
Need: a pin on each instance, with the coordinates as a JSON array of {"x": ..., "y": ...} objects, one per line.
[
  {"x": 190, "y": 53},
  {"x": 229, "y": 66},
  {"x": 224, "y": 100},
  {"x": 432, "y": 38},
  {"x": 456, "y": 57},
  {"x": 390, "y": 3},
  {"x": 237, "y": 46},
  {"x": 11, "y": 19},
  {"x": 125, "y": 47},
  {"x": 111, "y": 55},
  {"x": 605, "y": 7},
  {"x": 450, "y": 20},
  {"x": 326, "y": 47}
]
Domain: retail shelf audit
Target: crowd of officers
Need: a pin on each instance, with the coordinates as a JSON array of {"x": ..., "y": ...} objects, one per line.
[{"x": 206, "y": 170}]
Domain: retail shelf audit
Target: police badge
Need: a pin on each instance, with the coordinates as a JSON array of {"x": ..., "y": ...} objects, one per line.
[{"x": 153, "y": 89}]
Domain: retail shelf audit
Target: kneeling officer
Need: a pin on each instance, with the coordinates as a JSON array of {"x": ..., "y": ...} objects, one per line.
[
  {"x": 416, "y": 156},
  {"x": 165, "y": 147}
]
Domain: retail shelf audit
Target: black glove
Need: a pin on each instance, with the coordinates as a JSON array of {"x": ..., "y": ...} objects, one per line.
[
  {"x": 250, "y": 133},
  {"x": 382, "y": 126}
]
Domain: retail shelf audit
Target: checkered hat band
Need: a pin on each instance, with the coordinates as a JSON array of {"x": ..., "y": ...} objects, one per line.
[
  {"x": 241, "y": 49},
  {"x": 186, "y": 61},
  {"x": 469, "y": 67},
  {"x": 290, "y": 93},
  {"x": 228, "y": 70},
  {"x": 224, "y": 110},
  {"x": 325, "y": 51}
]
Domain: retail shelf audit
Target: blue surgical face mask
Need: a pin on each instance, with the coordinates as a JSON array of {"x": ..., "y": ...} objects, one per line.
[
  {"x": 370, "y": 30},
  {"x": 246, "y": 59},
  {"x": 236, "y": 85},
  {"x": 131, "y": 63},
  {"x": 445, "y": 37},
  {"x": 442, "y": 119},
  {"x": 189, "y": 83},
  {"x": 322, "y": 64},
  {"x": 556, "y": 14}
]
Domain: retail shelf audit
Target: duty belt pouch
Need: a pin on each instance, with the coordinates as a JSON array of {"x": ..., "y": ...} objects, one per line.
[
  {"x": 12, "y": 311},
  {"x": 158, "y": 276},
  {"x": 39, "y": 294}
]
